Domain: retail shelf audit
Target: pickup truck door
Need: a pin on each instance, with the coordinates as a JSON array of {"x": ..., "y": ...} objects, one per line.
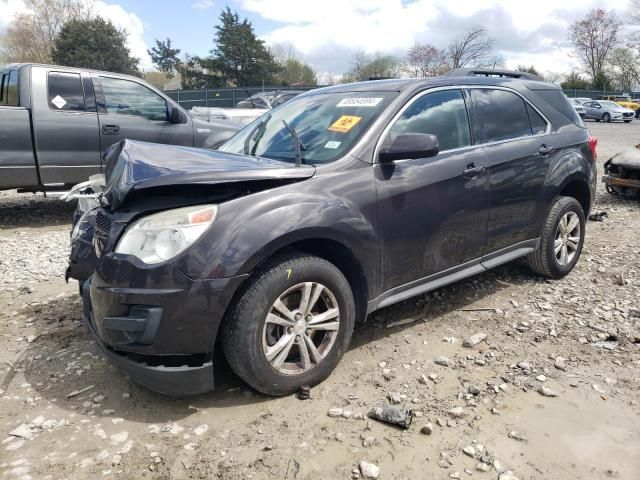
[
  {"x": 65, "y": 125},
  {"x": 130, "y": 109}
]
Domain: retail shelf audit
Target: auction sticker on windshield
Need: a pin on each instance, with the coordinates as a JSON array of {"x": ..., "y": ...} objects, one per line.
[
  {"x": 359, "y": 102},
  {"x": 344, "y": 123}
]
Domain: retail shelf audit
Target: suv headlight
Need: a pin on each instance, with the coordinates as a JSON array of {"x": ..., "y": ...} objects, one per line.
[{"x": 161, "y": 236}]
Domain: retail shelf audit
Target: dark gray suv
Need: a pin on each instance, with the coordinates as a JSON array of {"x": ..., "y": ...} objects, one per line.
[{"x": 339, "y": 202}]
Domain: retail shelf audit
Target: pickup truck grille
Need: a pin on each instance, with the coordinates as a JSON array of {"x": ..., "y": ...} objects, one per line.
[
  {"x": 103, "y": 222},
  {"x": 101, "y": 233}
]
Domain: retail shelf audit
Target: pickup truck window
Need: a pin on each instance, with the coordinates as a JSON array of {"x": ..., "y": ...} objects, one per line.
[
  {"x": 9, "y": 88},
  {"x": 125, "y": 97},
  {"x": 65, "y": 92}
]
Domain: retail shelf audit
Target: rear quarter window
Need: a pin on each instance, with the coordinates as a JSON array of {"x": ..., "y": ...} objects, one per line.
[
  {"x": 9, "y": 88},
  {"x": 559, "y": 101}
]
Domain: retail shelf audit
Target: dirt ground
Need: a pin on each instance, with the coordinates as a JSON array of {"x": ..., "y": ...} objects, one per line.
[{"x": 579, "y": 338}]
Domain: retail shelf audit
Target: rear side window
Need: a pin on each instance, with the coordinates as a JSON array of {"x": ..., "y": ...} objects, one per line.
[
  {"x": 443, "y": 114},
  {"x": 538, "y": 124},
  {"x": 9, "y": 88},
  {"x": 65, "y": 92},
  {"x": 559, "y": 101},
  {"x": 125, "y": 97},
  {"x": 501, "y": 115}
]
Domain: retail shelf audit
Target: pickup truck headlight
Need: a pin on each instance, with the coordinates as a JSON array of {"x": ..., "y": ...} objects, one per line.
[{"x": 161, "y": 236}]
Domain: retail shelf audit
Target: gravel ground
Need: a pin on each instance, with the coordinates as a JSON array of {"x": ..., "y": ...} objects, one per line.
[{"x": 550, "y": 392}]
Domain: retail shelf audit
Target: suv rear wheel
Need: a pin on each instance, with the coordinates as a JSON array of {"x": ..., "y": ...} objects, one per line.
[
  {"x": 291, "y": 325},
  {"x": 562, "y": 240}
]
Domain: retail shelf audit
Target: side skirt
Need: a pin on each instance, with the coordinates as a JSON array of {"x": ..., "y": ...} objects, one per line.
[{"x": 452, "y": 275}]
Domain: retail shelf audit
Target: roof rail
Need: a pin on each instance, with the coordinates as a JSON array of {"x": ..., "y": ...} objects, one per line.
[{"x": 491, "y": 72}]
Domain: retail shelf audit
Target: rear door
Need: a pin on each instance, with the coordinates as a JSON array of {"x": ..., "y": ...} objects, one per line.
[
  {"x": 65, "y": 125},
  {"x": 519, "y": 148},
  {"x": 432, "y": 211},
  {"x": 129, "y": 109}
]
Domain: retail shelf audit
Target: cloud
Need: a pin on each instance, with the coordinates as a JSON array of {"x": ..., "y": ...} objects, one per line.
[
  {"x": 329, "y": 32},
  {"x": 131, "y": 23},
  {"x": 203, "y": 4},
  {"x": 9, "y": 9}
]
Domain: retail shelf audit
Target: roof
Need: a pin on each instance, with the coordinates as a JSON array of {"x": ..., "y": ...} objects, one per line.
[
  {"x": 404, "y": 84},
  {"x": 20, "y": 65}
]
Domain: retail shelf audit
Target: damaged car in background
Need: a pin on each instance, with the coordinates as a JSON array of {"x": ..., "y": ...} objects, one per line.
[
  {"x": 622, "y": 173},
  {"x": 342, "y": 201}
]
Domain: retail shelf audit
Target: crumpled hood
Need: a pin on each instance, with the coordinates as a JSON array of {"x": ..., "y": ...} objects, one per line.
[{"x": 133, "y": 165}]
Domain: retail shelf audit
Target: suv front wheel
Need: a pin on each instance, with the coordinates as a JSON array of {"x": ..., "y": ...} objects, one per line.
[
  {"x": 562, "y": 240},
  {"x": 291, "y": 325}
]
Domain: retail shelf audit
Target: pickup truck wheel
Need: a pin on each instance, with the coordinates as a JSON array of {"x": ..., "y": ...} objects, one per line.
[
  {"x": 290, "y": 326},
  {"x": 562, "y": 240}
]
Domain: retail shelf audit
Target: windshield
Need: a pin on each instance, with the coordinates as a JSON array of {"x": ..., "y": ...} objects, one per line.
[
  {"x": 327, "y": 126},
  {"x": 608, "y": 103}
]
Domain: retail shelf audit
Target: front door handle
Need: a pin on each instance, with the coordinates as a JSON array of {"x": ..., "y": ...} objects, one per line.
[
  {"x": 544, "y": 150},
  {"x": 473, "y": 170},
  {"x": 110, "y": 129}
]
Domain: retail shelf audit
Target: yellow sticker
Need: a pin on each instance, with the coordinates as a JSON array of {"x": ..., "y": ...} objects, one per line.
[{"x": 344, "y": 123}]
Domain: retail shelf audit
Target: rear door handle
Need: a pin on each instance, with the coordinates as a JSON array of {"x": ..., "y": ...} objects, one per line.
[
  {"x": 473, "y": 171},
  {"x": 110, "y": 129},
  {"x": 544, "y": 150}
]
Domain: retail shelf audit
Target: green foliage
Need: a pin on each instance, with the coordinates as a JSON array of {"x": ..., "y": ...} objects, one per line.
[
  {"x": 574, "y": 82},
  {"x": 294, "y": 72},
  {"x": 601, "y": 81},
  {"x": 198, "y": 72},
  {"x": 95, "y": 43},
  {"x": 164, "y": 57},
  {"x": 531, "y": 69},
  {"x": 239, "y": 56},
  {"x": 366, "y": 68}
]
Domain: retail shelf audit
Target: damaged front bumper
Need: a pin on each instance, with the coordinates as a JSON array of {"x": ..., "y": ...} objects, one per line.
[{"x": 162, "y": 337}]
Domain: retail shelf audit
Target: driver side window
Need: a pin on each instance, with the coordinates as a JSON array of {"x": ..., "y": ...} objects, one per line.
[
  {"x": 442, "y": 113},
  {"x": 125, "y": 97}
]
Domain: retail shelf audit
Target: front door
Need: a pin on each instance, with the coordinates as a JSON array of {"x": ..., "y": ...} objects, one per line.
[
  {"x": 65, "y": 126},
  {"x": 128, "y": 109},
  {"x": 432, "y": 211}
]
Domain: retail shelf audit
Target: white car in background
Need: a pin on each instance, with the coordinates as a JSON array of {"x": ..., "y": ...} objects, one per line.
[{"x": 578, "y": 107}]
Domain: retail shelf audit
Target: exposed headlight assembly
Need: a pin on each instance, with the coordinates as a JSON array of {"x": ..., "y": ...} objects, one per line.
[{"x": 161, "y": 236}]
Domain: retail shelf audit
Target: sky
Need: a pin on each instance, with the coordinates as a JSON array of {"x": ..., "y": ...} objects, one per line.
[{"x": 328, "y": 32}]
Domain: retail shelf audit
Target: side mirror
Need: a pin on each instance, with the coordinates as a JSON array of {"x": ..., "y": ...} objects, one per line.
[
  {"x": 175, "y": 115},
  {"x": 409, "y": 146}
]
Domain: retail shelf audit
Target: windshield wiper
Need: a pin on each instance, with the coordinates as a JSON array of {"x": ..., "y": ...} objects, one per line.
[
  {"x": 299, "y": 145},
  {"x": 255, "y": 134}
]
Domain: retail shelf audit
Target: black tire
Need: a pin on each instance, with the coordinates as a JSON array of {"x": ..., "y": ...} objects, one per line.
[
  {"x": 242, "y": 332},
  {"x": 606, "y": 117},
  {"x": 543, "y": 261}
]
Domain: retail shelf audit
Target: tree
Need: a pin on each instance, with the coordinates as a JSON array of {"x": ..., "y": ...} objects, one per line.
[
  {"x": 292, "y": 70},
  {"x": 471, "y": 49},
  {"x": 94, "y": 43},
  {"x": 198, "y": 73},
  {"x": 424, "y": 60},
  {"x": 623, "y": 69},
  {"x": 369, "y": 68},
  {"x": 164, "y": 57},
  {"x": 593, "y": 38},
  {"x": 30, "y": 36},
  {"x": 531, "y": 69},
  {"x": 239, "y": 55},
  {"x": 574, "y": 82}
]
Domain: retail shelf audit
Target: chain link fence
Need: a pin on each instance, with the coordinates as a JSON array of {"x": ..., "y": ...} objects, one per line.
[
  {"x": 597, "y": 94},
  {"x": 221, "y": 97}
]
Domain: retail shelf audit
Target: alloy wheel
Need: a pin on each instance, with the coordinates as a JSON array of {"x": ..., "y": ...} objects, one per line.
[
  {"x": 301, "y": 328},
  {"x": 567, "y": 240}
]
